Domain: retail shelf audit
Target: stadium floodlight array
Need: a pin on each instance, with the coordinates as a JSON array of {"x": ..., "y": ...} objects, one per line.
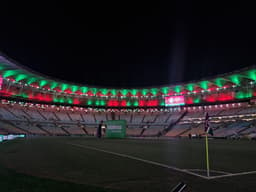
[{"x": 18, "y": 82}]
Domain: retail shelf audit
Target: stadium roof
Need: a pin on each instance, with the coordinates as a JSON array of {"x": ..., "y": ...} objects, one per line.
[{"x": 13, "y": 71}]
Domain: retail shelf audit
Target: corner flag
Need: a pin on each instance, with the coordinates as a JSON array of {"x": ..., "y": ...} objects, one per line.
[
  {"x": 207, "y": 130},
  {"x": 207, "y": 127}
]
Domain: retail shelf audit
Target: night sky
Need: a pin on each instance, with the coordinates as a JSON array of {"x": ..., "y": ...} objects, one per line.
[{"x": 128, "y": 45}]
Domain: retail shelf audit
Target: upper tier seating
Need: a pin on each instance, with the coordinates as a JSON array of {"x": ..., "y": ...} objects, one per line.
[
  {"x": 62, "y": 116},
  {"x": 75, "y": 116}
]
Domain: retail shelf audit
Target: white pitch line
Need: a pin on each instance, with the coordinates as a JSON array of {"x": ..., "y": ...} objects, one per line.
[
  {"x": 234, "y": 174},
  {"x": 140, "y": 159},
  {"x": 212, "y": 171},
  {"x": 166, "y": 166}
]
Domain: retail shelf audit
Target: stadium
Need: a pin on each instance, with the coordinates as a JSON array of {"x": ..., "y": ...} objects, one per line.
[
  {"x": 127, "y": 97},
  {"x": 162, "y": 143}
]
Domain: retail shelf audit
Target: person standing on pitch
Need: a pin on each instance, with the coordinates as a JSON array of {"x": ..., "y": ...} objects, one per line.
[{"x": 99, "y": 130}]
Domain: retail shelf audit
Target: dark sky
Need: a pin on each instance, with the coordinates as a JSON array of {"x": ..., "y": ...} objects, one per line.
[{"x": 128, "y": 45}]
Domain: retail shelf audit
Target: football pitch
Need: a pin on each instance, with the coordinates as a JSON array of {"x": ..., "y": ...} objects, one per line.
[{"x": 90, "y": 164}]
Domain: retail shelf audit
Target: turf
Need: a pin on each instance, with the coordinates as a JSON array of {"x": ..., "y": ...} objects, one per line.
[{"x": 53, "y": 164}]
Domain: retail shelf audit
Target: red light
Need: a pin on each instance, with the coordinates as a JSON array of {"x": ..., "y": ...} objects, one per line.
[
  {"x": 113, "y": 103},
  {"x": 48, "y": 98},
  {"x": 90, "y": 93},
  {"x": 6, "y": 93},
  {"x": 123, "y": 103},
  {"x": 1, "y": 81},
  {"x": 38, "y": 96},
  {"x": 152, "y": 103},
  {"x": 57, "y": 89},
  {"x": 128, "y": 94},
  {"x": 142, "y": 103},
  {"x": 99, "y": 94},
  {"x": 189, "y": 100},
  {"x": 119, "y": 94},
  {"x": 109, "y": 94},
  {"x": 76, "y": 101},
  {"x": 68, "y": 91},
  {"x": 225, "y": 96},
  {"x": 138, "y": 94},
  {"x": 171, "y": 92},
  {"x": 78, "y": 92},
  {"x": 211, "y": 98}
]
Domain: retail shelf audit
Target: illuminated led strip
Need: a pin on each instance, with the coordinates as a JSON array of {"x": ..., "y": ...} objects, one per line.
[{"x": 1, "y": 81}]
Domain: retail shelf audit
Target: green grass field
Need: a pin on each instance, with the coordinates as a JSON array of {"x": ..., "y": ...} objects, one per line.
[{"x": 88, "y": 164}]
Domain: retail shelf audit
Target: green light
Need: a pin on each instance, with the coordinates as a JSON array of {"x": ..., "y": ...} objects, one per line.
[
  {"x": 204, "y": 84},
  {"x": 219, "y": 82},
  {"x": 9, "y": 73},
  {"x": 252, "y": 74},
  {"x": 113, "y": 91},
  {"x": 70, "y": 100},
  {"x": 243, "y": 95},
  {"x": 97, "y": 103},
  {"x": 190, "y": 87},
  {"x": 162, "y": 103},
  {"x": 196, "y": 100},
  {"x": 20, "y": 77},
  {"x": 102, "y": 103},
  {"x": 144, "y": 92},
  {"x": 43, "y": 83},
  {"x": 31, "y": 80},
  {"x": 104, "y": 91},
  {"x": 59, "y": 100},
  {"x": 235, "y": 79},
  {"x": 134, "y": 92},
  {"x": 135, "y": 103},
  {"x": 89, "y": 102},
  {"x": 84, "y": 89},
  {"x": 128, "y": 103},
  {"x": 54, "y": 85},
  {"x": 74, "y": 88},
  {"x": 24, "y": 95},
  {"x": 63, "y": 100},
  {"x": 177, "y": 89},
  {"x": 165, "y": 90},
  {"x": 64, "y": 87},
  {"x": 124, "y": 91},
  {"x": 154, "y": 91},
  {"x": 94, "y": 90}
]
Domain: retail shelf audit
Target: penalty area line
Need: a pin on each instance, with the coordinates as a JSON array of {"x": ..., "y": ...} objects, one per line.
[
  {"x": 140, "y": 159},
  {"x": 234, "y": 174},
  {"x": 212, "y": 171}
]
